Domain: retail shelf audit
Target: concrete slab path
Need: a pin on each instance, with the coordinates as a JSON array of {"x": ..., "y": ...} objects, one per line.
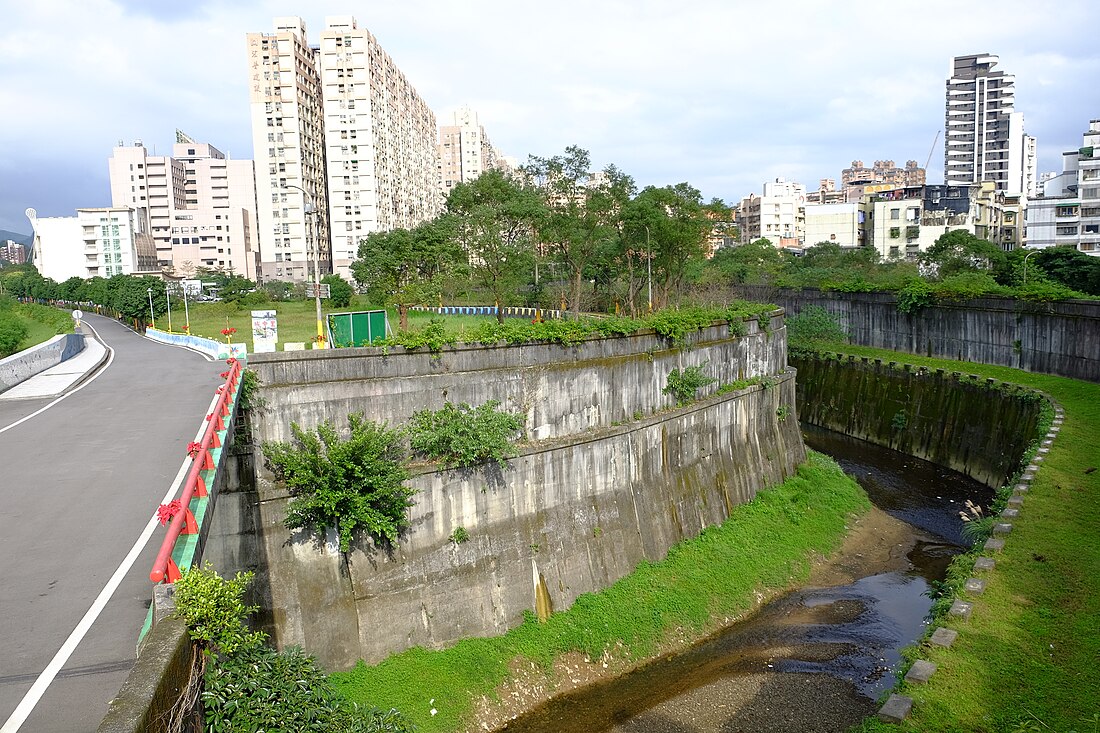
[{"x": 81, "y": 476}]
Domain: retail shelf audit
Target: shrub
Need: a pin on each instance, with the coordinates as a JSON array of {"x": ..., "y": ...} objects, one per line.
[
  {"x": 249, "y": 686},
  {"x": 460, "y": 435},
  {"x": 813, "y": 327},
  {"x": 351, "y": 484},
  {"x": 12, "y": 332},
  {"x": 213, "y": 608},
  {"x": 683, "y": 385}
]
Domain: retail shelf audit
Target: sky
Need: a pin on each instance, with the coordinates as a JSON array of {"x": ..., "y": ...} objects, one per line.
[{"x": 722, "y": 94}]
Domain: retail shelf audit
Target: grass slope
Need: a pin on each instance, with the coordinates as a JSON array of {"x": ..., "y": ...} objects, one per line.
[
  {"x": 765, "y": 544},
  {"x": 1027, "y": 659}
]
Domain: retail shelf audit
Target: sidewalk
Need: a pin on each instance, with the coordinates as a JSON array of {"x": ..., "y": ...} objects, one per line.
[{"x": 57, "y": 380}]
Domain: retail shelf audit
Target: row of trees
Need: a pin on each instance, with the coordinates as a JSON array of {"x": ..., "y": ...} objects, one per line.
[{"x": 591, "y": 231}]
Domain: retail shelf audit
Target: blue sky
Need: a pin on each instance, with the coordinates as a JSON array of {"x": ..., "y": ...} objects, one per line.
[{"x": 721, "y": 94}]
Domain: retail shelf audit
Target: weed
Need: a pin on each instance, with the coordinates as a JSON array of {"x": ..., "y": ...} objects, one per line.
[{"x": 683, "y": 385}]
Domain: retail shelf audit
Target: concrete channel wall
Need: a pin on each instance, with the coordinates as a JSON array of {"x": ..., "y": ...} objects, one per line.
[
  {"x": 1060, "y": 338},
  {"x": 976, "y": 427},
  {"x": 618, "y": 477},
  {"x": 24, "y": 365}
]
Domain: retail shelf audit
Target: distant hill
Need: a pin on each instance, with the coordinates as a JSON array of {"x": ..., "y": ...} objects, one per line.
[{"x": 26, "y": 239}]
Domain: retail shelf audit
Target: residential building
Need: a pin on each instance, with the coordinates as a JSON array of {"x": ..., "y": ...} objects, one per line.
[
  {"x": 858, "y": 178},
  {"x": 97, "y": 242},
  {"x": 907, "y": 221},
  {"x": 464, "y": 151},
  {"x": 202, "y": 205},
  {"x": 13, "y": 252},
  {"x": 288, "y": 144},
  {"x": 984, "y": 137},
  {"x": 778, "y": 214},
  {"x": 838, "y": 223},
  {"x": 1068, "y": 211},
  {"x": 827, "y": 193},
  {"x": 341, "y": 122}
]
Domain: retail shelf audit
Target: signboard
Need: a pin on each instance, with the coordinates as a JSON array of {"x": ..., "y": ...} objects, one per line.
[
  {"x": 362, "y": 328},
  {"x": 326, "y": 290},
  {"x": 265, "y": 331}
]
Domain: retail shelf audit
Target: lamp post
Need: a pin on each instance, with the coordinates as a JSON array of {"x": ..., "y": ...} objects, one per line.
[
  {"x": 1025, "y": 263},
  {"x": 648, "y": 269},
  {"x": 186, "y": 314},
  {"x": 311, "y": 239},
  {"x": 152, "y": 316},
  {"x": 168, "y": 300}
]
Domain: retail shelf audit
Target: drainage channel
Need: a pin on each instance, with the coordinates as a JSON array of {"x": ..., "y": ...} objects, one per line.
[{"x": 814, "y": 659}]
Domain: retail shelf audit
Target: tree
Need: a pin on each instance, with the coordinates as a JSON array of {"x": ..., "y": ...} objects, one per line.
[
  {"x": 1068, "y": 266},
  {"x": 495, "y": 219},
  {"x": 340, "y": 291},
  {"x": 130, "y": 296},
  {"x": 674, "y": 226},
  {"x": 404, "y": 267},
  {"x": 960, "y": 251},
  {"x": 583, "y": 210},
  {"x": 757, "y": 263}
]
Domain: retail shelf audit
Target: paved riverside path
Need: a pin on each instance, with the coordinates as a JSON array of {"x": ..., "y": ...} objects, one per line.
[{"x": 79, "y": 483}]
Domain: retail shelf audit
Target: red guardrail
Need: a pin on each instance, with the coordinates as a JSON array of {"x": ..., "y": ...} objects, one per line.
[{"x": 183, "y": 521}]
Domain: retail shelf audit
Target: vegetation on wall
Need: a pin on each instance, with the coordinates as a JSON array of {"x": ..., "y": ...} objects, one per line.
[
  {"x": 683, "y": 385},
  {"x": 351, "y": 484},
  {"x": 248, "y": 686},
  {"x": 460, "y": 435}
]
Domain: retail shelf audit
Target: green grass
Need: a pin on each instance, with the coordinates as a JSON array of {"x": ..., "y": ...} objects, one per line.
[
  {"x": 43, "y": 323},
  {"x": 297, "y": 320},
  {"x": 1027, "y": 659},
  {"x": 765, "y": 544}
]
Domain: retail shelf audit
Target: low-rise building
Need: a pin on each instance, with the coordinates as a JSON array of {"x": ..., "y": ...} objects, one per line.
[
  {"x": 1068, "y": 211},
  {"x": 779, "y": 214},
  {"x": 97, "y": 242},
  {"x": 836, "y": 223}
]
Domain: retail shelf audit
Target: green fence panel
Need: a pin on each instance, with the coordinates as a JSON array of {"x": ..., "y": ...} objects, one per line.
[{"x": 360, "y": 328}]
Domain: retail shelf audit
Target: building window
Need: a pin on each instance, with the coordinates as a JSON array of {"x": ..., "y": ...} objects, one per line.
[{"x": 895, "y": 214}]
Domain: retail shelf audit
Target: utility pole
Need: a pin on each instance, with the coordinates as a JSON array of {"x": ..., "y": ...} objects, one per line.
[{"x": 311, "y": 239}]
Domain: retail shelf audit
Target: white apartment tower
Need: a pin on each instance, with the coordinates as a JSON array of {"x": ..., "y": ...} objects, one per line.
[
  {"x": 984, "y": 137},
  {"x": 202, "y": 205},
  {"x": 288, "y": 144},
  {"x": 464, "y": 150},
  {"x": 341, "y": 121},
  {"x": 1068, "y": 212},
  {"x": 379, "y": 141},
  {"x": 778, "y": 215}
]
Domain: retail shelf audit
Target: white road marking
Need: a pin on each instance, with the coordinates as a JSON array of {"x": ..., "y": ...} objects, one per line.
[{"x": 36, "y": 413}]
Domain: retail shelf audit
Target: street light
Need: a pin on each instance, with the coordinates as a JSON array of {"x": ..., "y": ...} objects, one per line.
[
  {"x": 168, "y": 300},
  {"x": 152, "y": 316},
  {"x": 309, "y": 209},
  {"x": 1025, "y": 263},
  {"x": 648, "y": 269}
]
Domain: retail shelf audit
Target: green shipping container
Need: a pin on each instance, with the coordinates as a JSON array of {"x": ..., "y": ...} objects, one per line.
[{"x": 361, "y": 328}]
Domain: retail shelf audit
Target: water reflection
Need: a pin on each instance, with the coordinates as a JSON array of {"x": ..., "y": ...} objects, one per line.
[{"x": 813, "y": 660}]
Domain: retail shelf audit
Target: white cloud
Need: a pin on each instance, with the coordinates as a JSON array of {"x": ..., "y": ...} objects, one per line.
[{"x": 722, "y": 95}]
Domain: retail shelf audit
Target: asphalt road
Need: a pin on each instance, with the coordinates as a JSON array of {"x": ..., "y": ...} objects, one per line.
[{"x": 78, "y": 485}]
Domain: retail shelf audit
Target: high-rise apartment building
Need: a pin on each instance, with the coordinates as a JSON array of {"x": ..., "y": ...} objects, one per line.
[
  {"x": 464, "y": 150},
  {"x": 201, "y": 205},
  {"x": 341, "y": 122},
  {"x": 1068, "y": 212},
  {"x": 288, "y": 144},
  {"x": 99, "y": 242},
  {"x": 984, "y": 137},
  {"x": 13, "y": 252}
]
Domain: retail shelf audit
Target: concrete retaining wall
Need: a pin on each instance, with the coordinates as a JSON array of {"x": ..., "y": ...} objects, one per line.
[
  {"x": 976, "y": 427},
  {"x": 1053, "y": 338},
  {"x": 24, "y": 365},
  {"x": 575, "y": 512},
  {"x": 561, "y": 390},
  {"x": 210, "y": 347}
]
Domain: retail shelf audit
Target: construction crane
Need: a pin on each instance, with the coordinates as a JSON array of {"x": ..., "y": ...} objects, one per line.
[{"x": 929, "y": 158}]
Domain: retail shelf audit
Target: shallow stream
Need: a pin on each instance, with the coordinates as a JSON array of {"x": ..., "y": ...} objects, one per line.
[{"x": 815, "y": 659}]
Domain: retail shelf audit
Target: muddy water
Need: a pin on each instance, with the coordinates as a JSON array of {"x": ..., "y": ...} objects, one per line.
[{"x": 814, "y": 659}]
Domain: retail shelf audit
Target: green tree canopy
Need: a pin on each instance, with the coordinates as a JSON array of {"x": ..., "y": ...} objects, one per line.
[
  {"x": 404, "y": 267},
  {"x": 960, "y": 251},
  {"x": 340, "y": 291},
  {"x": 495, "y": 219}
]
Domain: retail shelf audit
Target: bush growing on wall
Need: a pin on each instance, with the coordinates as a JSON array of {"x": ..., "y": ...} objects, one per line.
[
  {"x": 460, "y": 435},
  {"x": 347, "y": 485},
  {"x": 249, "y": 686},
  {"x": 683, "y": 385}
]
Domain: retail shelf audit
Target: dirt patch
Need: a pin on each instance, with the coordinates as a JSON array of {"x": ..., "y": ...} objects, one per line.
[{"x": 875, "y": 543}]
